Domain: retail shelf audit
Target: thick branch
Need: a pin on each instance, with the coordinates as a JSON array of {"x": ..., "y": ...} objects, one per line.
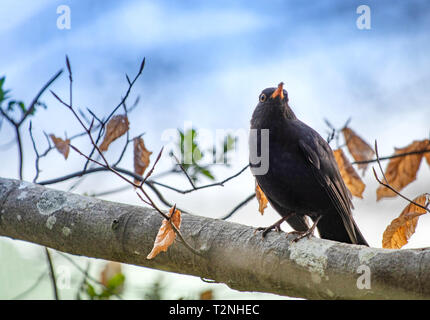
[{"x": 233, "y": 253}]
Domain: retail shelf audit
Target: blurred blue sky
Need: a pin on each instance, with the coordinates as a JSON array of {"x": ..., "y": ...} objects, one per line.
[
  {"x": 207, "y": 62},
  {"x": 209, "y": 59}
]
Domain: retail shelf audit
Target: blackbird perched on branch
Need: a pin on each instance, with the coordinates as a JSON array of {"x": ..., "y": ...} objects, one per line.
[{"x": 301, "y": 177}]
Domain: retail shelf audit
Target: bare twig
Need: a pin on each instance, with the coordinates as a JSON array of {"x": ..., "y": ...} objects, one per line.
[
  {"x": 111, "y": 191},
  {"x": 399, "y": 155},
  {"x": 240, "y": 205},
  {"x": 153, "y": 167},
  {"x": 331, "y": 135},
  {"x": 37, "y": 97},
  {"x": 84, "y": 281},
  {"x": 31, "y": 288},
  {"x": 127, "y": 141},
  {"x": 220, "y": 183},
  {"x": 161, "y": 197},
  {"x": 38, "y": 155},
  {"x": 52, "y": 274},
  {"x": 184, "y": 171}
]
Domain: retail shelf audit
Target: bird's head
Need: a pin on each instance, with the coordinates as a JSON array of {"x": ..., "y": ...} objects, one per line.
[
  {"x": 273, "y": 102},
  {"x": 274, "y": 96}
]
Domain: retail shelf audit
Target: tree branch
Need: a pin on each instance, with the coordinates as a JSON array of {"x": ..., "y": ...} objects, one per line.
[
  {"x": 399, "y": 155},
  {"x": 234, "y": 255}
]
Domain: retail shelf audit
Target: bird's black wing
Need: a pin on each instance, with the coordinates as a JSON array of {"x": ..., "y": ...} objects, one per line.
[{"x": 321, "y": 160}]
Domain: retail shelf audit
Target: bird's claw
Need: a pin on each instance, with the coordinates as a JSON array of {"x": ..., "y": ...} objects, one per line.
[
  {"x": 276, "y": 226},
  {"x": 301, "y": 234},
  {"x": 308, "y": 233},
  {"x": 266, "y": 230}
]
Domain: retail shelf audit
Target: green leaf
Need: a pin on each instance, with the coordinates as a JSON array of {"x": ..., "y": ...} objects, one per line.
[
  {"x": 189, "y": 148},
  {"x": 91, "y": 291},
  {"x": 10, "y": 105},
  {"x": 3, "y": 93},
  {"x": 22, "y": 106},
  {"x": 229, "y": 143},
  {"x": 116, "y": 281},
  {"x": 206, "y": 172},
  {"x": 113, "y": 286}
]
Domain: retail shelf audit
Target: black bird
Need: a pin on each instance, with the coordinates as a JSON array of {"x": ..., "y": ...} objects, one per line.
[{"x": 302, "y": 177}]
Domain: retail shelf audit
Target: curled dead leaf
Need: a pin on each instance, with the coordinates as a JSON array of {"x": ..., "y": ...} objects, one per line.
[
  {"x": 63, "y": 146},
  {"x": 351, "y": 178},
  {"x": 166, "y": 235},
  {"x": 402, "y": 228},
  {"x": 115, "y": 128},
  {"x": 141, "y": 157},
  {"x": 357, "y": 147},
  {"x": 261, "y": 197},
  {"x": 401, "y": 171}
]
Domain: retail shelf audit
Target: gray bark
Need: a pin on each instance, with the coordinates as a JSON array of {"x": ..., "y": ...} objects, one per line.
[{"x": 233, "y": 254}]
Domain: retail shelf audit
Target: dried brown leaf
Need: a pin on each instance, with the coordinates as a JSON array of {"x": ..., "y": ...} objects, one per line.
[
  {"x": 402, "y": 228},
  {"x": 357, "y": 147},
  {"x": 115, "y": 128},
  {"x": 166, "y": 235},
  {"x": 63, "y": 146},
  {"x": 349, "y": 175},
  {"x": 401, "y": 171},
  {"x": 261, "y": 197},
  {"x": 141, "y": 157},
  {"x": 427, "y": 156},
  {"x": 206, "y": 295}
]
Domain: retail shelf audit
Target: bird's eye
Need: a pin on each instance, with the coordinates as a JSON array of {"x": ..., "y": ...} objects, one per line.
[{"x": 262, "y": 97}]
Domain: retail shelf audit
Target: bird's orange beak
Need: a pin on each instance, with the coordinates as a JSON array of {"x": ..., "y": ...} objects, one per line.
[{"x": 279, "y": 92}]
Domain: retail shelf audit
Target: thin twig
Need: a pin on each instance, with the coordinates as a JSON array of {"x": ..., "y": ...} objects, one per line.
[
  {"x": 52, "y": 274},
  {"x": 111, "y": 191},
  {"x": 84, "y": 281},
  {"x": 39, "y": 94},
  {"x": 220, "y": 183},
  {"x": 161, "y": 197},
  {"x": 32, "y": 287},
  {"x": 184, "y": 171},
  {"x": 153, "y": 167},
  {"x": 20, "y": 152},
  {"x": 392, "y": 156},
  {"x": 240, "y": 205}
]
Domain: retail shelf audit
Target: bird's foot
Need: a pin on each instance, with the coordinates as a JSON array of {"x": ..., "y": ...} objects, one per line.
[
  {"x": 305, "y": 234},
  {"x": 301, "y": 234},
  {"x": 276, "y": 226}
]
